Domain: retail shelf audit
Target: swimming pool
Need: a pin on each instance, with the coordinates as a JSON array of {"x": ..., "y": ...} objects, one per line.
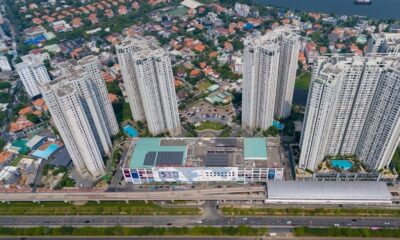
[
  {"x": 278, "y": 125},
  {"x": 45, "y": 154},
  {"x": 342, "y": 164},
  {"x": 130, "y": 131}
]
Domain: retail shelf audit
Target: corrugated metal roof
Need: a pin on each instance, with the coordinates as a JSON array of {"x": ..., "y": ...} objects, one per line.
[{"x": 315, "y": 190}]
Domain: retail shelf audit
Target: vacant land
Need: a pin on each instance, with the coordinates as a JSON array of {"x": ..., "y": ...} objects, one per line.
[
  {"x": 203, "y": 85},
  {"x": 93, "y": 208}
]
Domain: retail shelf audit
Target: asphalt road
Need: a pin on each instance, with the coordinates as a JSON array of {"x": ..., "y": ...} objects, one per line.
[{"x": 271, "y": 222}]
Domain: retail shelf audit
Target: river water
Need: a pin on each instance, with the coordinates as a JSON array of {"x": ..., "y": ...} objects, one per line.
[{"x": 379, "y": 9}]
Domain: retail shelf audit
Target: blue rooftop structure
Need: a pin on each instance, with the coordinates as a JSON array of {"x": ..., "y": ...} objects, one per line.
[
  {"x": 148, "y": 152},
  {"x": 255, "y": 149},
  {"x": 248, "y": 26}
]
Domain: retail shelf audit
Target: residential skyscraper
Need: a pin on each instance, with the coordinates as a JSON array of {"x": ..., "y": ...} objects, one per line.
[
  {"x": 269, "y": 72},
  {"x": 147, "y": 73},
  {"x": 351, "y": 106},
  {"x": 74, "y": 101},
  {"x": 321, "y": 99},
  {"x": 91, "y": 65},
  {"x": 288, "y": 63},
  {"x": 381, "y": 133},
  {"x": 388, "y": 43},
  {"x": 125, "y": 53},
  {"x": 32, "y": 73},
  {"x": 260, "y": 75}
]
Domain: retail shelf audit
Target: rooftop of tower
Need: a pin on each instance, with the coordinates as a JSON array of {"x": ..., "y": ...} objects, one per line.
[
  {"x": 271, "y": 36},
  {"x": 88, "y": 59},
  {"x": 30, "y": 60},
  {"x": 64, "y": 90}
]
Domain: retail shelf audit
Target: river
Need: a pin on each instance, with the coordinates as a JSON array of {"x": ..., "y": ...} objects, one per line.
[{"x": 379, "y": 9}]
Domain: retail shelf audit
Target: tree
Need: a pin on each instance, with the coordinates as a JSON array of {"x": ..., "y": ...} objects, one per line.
[
  {"x": 237, "y": 98},
  {"x": 237, "y": 45},
  {"x": 47, "y": 64},
  {"x": 114, "y": 88},
  {"x": 33, "y": 118},
  {"x": 271, "y": 131},
  {"x": 4, "y": 85}
]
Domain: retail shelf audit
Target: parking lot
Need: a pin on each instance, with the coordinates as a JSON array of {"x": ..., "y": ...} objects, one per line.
[{"x": 203, "y": 111}]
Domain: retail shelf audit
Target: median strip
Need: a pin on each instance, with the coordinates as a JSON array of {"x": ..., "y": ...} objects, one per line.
[
  {"x": 346, "y": 232},
  {"x": 94, "y": 208},
  {"x": 133, "y": 231},
  {"x": 334, "y": 212}
]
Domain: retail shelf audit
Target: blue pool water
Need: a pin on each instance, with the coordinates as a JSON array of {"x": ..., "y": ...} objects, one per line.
[
  {"x": 342, "y": 163},
  {"x": 278, "y": 125},
  {"x": 36, "y": 40},
  {"x": 45, "y": 154},
  {"x": 130, "y": 131}
]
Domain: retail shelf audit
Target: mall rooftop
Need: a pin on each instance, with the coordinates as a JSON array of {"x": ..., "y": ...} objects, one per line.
[{"x": 202, "y": 152}]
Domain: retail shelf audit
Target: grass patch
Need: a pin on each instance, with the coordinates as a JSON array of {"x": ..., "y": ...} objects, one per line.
[
  {"x": 133, "y": 231},
  {"x": 178, "y": 11},
  {"x": 355, "y": 212},
  {"x": 346, "y": 232},
  {"x": 303, "y": 81},
  {"x": 17, "y": 160},
  {"x": 207, "y": 1},
  {"x": 92, "y": 208},
  {"x": 210, "y": 125},
  {"x": 203, "y": 85}
]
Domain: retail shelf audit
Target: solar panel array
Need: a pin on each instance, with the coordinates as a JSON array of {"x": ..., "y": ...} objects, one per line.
[
  {"x": 150, "y": 159},
  {"x": 226, "y": 142},
  {"x": 217, "y": 160},
  {"x": 169, "y": 158}
]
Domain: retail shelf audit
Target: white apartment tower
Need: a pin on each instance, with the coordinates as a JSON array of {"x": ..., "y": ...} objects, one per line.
[
  {"x": 125, "y": 53},
  {"x": 288, "y": 63},
  {"x": 325, "y": 83},
  {"x": 388, "y": 43},
  {"x": 91, "y": 65},
  {"x": 32, "y": 73},
  {"x": 381, "y": 134},
  {"x": 81, "y": 115},
  {"x": 260, "y": 74},
  {"x": 352, "y": 107},
  {"x": 269, "y": 72},
  {"x": 147, "y": 72},
  {"x": 71, "y": 117}
]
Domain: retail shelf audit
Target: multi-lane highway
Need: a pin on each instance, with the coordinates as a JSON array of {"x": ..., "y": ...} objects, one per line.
[
  {"x": 284, "y": 222},
  {"x": 210, "y": 217}
]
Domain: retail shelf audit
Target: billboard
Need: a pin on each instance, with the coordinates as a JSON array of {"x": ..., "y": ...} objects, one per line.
[{"x": 164, "y": 175}]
